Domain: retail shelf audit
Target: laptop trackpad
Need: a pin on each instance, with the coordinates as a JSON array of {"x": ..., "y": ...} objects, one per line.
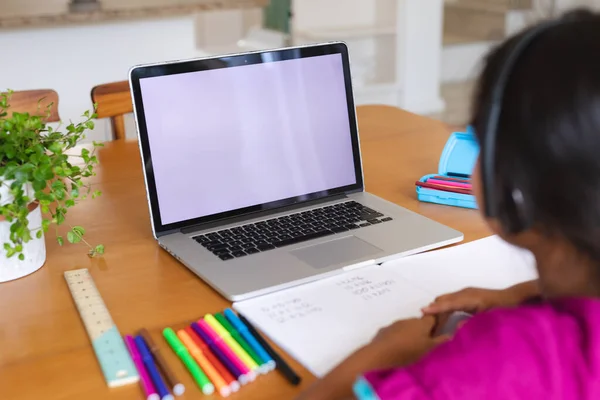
[{"x": 335, "y": 252}]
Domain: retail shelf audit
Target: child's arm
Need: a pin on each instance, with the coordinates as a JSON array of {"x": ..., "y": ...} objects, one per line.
[
  {"x": 397, "y": 345},
  {"x": 474, "y": 300}
]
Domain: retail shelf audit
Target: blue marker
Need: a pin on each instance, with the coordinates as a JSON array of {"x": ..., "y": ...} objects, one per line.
[
  {"x": 161, "y": 388},
  {"x": 243, "y": 330}
]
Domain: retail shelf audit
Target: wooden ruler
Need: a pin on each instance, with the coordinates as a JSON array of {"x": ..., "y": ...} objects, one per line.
[{"x": 113, "y": 356}]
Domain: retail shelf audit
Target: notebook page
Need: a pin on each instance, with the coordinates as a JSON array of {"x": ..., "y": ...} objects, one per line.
[
  {"x": 487, "y": 263},
  {"x": 323, "y": 322}
]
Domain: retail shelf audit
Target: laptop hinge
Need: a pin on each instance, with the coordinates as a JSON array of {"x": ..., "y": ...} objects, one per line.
[{"x": 259, "y": 214}]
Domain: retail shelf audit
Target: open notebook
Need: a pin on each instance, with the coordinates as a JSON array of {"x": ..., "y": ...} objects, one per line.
[{"x": 322, "y": 322}]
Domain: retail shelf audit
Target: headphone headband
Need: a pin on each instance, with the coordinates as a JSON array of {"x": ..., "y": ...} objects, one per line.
[{"x": 488, "y": 159}]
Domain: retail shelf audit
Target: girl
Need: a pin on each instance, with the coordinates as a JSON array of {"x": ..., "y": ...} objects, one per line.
[{"x": 537, "y": 118}]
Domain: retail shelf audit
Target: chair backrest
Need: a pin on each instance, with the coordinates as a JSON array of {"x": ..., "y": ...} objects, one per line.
[
  {"x": 35, "y": 102},
  {"x": 113, "y": 100}
]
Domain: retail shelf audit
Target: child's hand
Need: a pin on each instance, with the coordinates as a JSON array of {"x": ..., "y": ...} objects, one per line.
[
  {"x": 408, "y": 340},
  {"x": 473, "y": 300},
  {"x": 397, "y": 345},
  {"x": 470, "y": 300}
]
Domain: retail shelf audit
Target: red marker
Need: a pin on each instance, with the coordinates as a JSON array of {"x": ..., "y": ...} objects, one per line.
[
  {"x": 450, "y": 183},
  {"x": 443, "y": 188},
  {"x": 225, "y": 374}
]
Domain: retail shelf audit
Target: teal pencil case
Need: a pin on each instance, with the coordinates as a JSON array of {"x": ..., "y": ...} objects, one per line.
[{"x": 457, "y": 161}]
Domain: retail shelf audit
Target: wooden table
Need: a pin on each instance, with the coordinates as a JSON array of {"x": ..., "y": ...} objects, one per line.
[{"x": 44, "y": 350}]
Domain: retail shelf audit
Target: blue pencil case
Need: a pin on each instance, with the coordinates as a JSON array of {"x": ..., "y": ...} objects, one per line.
[{"x": 457, "y": 161}]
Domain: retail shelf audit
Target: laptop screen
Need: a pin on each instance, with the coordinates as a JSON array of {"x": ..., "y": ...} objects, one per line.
[{"x": 248, "y": 135}]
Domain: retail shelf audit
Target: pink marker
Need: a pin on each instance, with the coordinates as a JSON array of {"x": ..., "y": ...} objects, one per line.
[
  {"x": 450, "y": 183},
  {"x": 251, "y": 375},
  {"x": 145, "y": 381}
]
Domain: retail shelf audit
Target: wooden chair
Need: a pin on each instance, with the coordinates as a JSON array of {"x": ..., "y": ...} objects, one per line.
[
  {"x": 35, "y": 102},
  {"x": 113, "y": 100}
]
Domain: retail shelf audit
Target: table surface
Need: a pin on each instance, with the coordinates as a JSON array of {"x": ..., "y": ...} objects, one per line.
[{"x": 44, "y": 349}]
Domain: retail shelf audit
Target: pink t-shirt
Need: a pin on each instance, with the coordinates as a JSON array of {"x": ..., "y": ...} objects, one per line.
[{"x": 544, "y": 351}]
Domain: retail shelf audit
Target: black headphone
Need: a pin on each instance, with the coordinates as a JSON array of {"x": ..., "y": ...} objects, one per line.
[{"x": 514, "y": 214}]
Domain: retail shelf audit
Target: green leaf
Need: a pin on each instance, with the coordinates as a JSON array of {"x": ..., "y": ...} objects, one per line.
[
  {"x": 69, "y": 203},
  {"x": 85, "y": 153},
  {"x": 22, "y": 257},
  {"x": 60, "y": 240},
  {"x": 96, "y": 194},
  {"x": 39, "y": 234},
  {"x": 57, "y": 185},
  {"x": 79, "y": 230},
  {"x": 47, "y": 172},
  {"x": 60, "y": 218},
  {"x": 45, "y": 225},
  {"x": 56, "y": 148},
  {"x": 60, "y": 194},
  {"x": 99, "y": 249},
  {"x": 73, "y": 236},
  {"x": 39, "y": 184},
  {"x": 10, "y": 151}
]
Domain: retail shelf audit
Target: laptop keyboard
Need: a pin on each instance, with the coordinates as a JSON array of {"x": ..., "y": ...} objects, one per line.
[{"x": 267, "y": 235}]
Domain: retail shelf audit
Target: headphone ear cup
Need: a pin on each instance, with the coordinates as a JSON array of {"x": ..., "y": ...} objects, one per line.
[{"x": 513, "y": 211}]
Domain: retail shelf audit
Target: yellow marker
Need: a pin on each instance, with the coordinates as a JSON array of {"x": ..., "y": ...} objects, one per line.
[{"x": 233, "y": 345}]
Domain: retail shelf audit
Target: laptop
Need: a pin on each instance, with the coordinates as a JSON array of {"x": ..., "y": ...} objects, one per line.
[{"x": 253, "y": 171}]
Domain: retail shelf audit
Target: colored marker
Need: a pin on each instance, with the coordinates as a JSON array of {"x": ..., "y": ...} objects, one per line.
[
  {"x": 450, "y": 183},
  {"x": 206, "y": 366},
  {"x": 234, "y": 385},
  {"x": 216, "y": 350},
  {"x": 232, "y": 344},
  {"x": 251, "y": 375},
  {"x": 145, "y": 381},
  {"x": 446, "y": 178},
  {"x": 263, "y": 366},
  {"x": 282, "y": 366},
  {"x": 243, "y": 330},
  {"x": 201, "y": 379},
  {"x": 443, "y": 188},
  {"x": 160, "y": 386},
  {"x": 174, "y": 384}
]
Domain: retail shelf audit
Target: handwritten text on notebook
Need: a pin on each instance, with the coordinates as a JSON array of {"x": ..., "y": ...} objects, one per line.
[
  {"x": 323, "y": 322},
  {"x": 289, "y": 310},
  {"x": 366, "y": 288}
]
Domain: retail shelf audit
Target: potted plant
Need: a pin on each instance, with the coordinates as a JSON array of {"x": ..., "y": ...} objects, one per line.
[{"x": 39, "y": 182}]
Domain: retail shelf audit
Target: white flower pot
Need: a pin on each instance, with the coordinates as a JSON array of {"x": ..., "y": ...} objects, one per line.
[{"x": 34, "y": 251}]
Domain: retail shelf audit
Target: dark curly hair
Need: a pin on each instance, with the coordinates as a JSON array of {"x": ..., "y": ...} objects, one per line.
[{"x": 548, "y": 138}]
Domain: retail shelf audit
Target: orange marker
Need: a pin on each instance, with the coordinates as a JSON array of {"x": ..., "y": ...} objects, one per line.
[{"x": 206, "y": 366}]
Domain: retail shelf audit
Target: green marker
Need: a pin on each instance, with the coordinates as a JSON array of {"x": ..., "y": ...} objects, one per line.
[
  {"x": 263, "y": 368},
  {"x": 182, "y": 352}
]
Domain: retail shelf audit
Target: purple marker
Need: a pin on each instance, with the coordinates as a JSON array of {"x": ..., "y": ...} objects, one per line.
[
  {"x": 235, "y": 371},
  {"x": 145, "y": 380}
]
